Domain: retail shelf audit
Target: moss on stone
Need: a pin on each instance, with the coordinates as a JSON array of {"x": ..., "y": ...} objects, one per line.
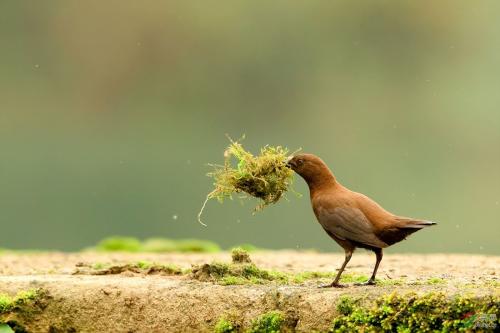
[
  {"x": 223, "y": 325},
  {"x": 243, "y": 271},
  {"x": 24, "y": 304},
  {"x": 412, "y": 312},
  {"x": 270, "y": 322},
  {"x": 8, "y": 303},
  {"x": 98, "y": 265},
  {"x": 240, "y": 256},
  {"x": 303, "y": 276},
  {"x": 228, "y": 274},
  {"x": 353, "y": 278},
  {"x": 346, "y": 305},
  {"x": 390, "y": 282},
  {"x": 435, "y": 280}
]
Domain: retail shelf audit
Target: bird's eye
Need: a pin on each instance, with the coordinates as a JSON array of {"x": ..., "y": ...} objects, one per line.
[{"x": 300, "y": 161}]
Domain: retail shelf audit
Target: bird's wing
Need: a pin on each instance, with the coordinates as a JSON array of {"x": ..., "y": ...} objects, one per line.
[{"x": 349, "y": 223}]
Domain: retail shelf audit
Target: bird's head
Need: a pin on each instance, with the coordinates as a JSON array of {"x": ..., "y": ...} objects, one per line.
[{"x": 310, "y": 167}]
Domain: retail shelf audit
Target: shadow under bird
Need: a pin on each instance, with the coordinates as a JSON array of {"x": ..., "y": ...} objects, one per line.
[{"x": 352, "y": 219}]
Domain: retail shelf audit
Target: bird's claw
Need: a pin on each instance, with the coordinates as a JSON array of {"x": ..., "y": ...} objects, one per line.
[
  {"x": 331, "y": 285},
  {"x": 367, "y": 283}
]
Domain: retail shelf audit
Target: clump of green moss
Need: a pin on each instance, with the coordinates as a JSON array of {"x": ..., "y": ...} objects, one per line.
[
  {"x": 98, "y": 265},
  {"x": 225, "y": 326},
  {"x": 435, "y": 280},
  {"x": 412, "y": 312},
  {"x": 142, "y": 264},
  {"x": 118, "y": 243},
  {"x": 240, "y": 271},
  {"x": 23, "y": 305},
  {"x": 230, "y": 274},
  {"x": 346, "y": 305},
  {"x": 265, "y": 176},
  {"x": 240, "y": 256},
  {"x": 8, "y": 303},
  {"x": 167, "y": 269},
  {"x": 157, "y": 245},
  {"x": 270, "y": 322}
]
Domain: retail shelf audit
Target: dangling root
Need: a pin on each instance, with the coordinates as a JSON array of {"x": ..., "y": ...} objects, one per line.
[{"x": 202, "y": 209}]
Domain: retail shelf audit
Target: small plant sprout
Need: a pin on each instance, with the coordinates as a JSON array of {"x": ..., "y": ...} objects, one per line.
[
  {"x": 240, "y": 256},
  {"x": 265, "y": 176}
]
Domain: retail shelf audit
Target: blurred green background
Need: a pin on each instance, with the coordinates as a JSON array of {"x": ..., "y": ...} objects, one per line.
[{"x": 110, "y": 111}]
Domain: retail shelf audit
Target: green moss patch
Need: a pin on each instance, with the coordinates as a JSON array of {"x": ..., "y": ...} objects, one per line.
[
  {"x": 155, "y": 245},
  {"x": 410, "y": 312},
  {"x": 239, "y": 256},
  {"x": 24, "y": 302},
  {"x": 231, "y": 274},
  {"x": 265, "y": 176},
  {"x": 140, "y": 267},
  {"x": 249, "y": 273},
  {"x": 240, "y": 271},
  {"x": 224, "y": 325},
  {"x": 270, "y": 322},
  {"x": 9, "y": 303},
  {"x": 417, "y": 313},
  {"x": 435, "y": 280}
]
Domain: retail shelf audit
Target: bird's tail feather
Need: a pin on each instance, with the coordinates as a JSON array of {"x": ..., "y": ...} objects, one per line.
[
  {"x": 401, "y": 229},
  {"x": 415, "y": 224}
]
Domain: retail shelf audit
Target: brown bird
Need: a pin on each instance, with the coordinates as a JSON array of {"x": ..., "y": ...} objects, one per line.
[{"x": 352, "y": 219}]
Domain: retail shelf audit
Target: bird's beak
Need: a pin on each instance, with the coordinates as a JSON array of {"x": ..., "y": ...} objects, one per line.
[{"x": 288, "y": 162}]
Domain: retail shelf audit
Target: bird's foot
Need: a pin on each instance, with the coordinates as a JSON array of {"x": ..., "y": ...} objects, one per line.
[
  {"x": 367, "y": 283},
  {"x": 332, "y": 285}
]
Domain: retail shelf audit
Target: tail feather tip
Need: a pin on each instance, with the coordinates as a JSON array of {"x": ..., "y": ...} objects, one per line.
[{"x": 419, "y": 224}]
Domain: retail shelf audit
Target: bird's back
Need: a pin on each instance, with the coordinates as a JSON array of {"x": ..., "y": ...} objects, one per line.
[{"x": 355, "y": 217}]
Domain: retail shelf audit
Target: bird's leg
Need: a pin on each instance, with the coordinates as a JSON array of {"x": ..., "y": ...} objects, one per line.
[
  {"x": 335, "y": 283},
  {"x": 371, "y": 281}
]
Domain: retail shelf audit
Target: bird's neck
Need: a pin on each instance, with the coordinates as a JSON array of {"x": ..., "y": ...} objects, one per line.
[{"x": 321, "y": 180}]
